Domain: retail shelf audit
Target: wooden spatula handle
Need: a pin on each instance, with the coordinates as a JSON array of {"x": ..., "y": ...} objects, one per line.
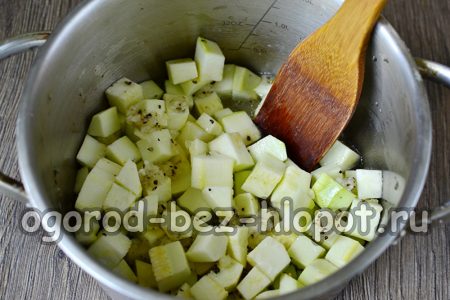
[
  {"x": 356, "y": 18},
  {"x": 316, "y": 92}
]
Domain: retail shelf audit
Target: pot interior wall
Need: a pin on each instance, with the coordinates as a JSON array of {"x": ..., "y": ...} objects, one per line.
[{"x": 111, "y": 39}]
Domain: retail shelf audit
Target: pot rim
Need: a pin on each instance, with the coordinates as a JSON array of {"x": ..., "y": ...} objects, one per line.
[{"x": 410, "y": 197}]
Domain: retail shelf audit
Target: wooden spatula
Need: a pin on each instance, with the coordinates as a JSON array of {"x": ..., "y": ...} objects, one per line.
[{"x": 316, "y": 91}]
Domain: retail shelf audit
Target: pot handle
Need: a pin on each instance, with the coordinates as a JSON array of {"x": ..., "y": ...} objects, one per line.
[
  {"x": 440, "y": 74},
  {"x": 434, "y": 71},
  {"x": 9, "y": 186}
]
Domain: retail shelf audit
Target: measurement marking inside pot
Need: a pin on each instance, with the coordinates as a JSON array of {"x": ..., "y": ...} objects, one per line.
[
  {"x": 268, "y": 22},
  {"x": 257, "y": 23}
]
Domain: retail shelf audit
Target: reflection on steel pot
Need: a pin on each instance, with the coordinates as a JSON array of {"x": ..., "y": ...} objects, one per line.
[{"x": 102, "y": 41}]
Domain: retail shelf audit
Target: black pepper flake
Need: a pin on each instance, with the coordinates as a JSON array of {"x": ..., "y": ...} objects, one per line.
[
  {"x": 150, "y": 149},
  {"x": 194, "y": 81},
  {"x": 159, "y": 140},
  {"x": 209, "y": 190},
  {"x": 159, "y": 106},
  {"x": 155, "y": 182},
  {"x": 211, "y": 121},
  {"x": 128, "y": 82},
  {"x": 249, "y": 138}
]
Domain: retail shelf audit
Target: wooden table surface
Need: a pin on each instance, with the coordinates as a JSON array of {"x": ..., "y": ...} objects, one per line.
[{"x": 417, "y": 268}]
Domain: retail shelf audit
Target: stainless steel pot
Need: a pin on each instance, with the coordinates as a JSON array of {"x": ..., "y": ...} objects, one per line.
[{"x": 102, "y": 41}]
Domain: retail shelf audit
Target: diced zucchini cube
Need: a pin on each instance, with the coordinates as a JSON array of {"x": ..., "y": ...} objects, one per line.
[
  {"x": 181, "y": 70},
  {"x": 334, "y": 171},
  {"x": 355, "y": 228},
  {"x": 241, "y": 123},
  {"x": 229, "y": 273},
  {"x": 212, "y": 170},
  {"x": 192, "y": 200},
  {"x": 184, "y": 292},
  {"x": 330, "y": 194},
  {"x": 239, "y": 179},
  {"x": 210, "y": 60},
  {"x": 192, "y": 86},
  {"x": 147, "y": 116},
  {"x": 104, "y": 123},
  {"x": 210, "y": 125},
  {"x": 288, "y": 284},
  {"x": 270, "y": 257},
  {"x": 109, "y": 166},
  {"x": 145, "y": 275},
  {"x": 329, "y": 239},
  {"x": 224, "y": 88},
  {"x": 244, "y": 83},
  {"x": 153, "y": 234},
  {"x": 172, "y": 232},
  {"x": 119, "y": 198},
  {"x": 268, "y": 294},
  {"x": 255, "y": 238},
  {"x": 219, "y": 115},
  {"x": 218, "y": 197},
  {"x": 154, "y": 182},
  {"x": 231, "y": 144},
  {"x": 207, "y": 248},
  {"x": 157, "y": 147},
  {"x": 208, "y": 289},
  {"x": 268, "y": 145},
  {"x": 208, "y": 103},
  {"x": 150, "y": 205},
  {"x": 109, "y": 250},
  {"x": 340, "y": 155},
  {"x": 202, "y": 268},
  {"x": 192, "y": 131},
  {"x": 110, "y": 139},
  {"x": 177, "y": 110},
  {"x": 237, "y": 244},
  {"x": 151, "y": 90},
  {"x": 264, "y": 177},
  {"x": 369, "y": 183},
  {"x": 264, "y": 87},
  {"x": 197, "y": 147},
  {"x": 304, "y": 251},
  {"x": 287, "y": 239},
  {"x": 343, "y": 251},
  {"x": 316, "y": 271},
  {"x": 124, "y": 93},
  {"x": 123, "y": 150},
  {"x": 295, "y": 186},
  {"x": 253, "y": 283},
  {"x": 246, "y": 205},
  {"x": 124, "y": 270},
  {"x": 90, "y": 152},
  {"x": 178, "y": 169},
  {"x": 170, "y": 266},
  {"x": 89, "y": 236},
  {"x": 129, "y": 178},
  {"x": 172, "y": 88},
  {"x": 80, "y": 178},
  {"x": 94, "y": 190}
]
